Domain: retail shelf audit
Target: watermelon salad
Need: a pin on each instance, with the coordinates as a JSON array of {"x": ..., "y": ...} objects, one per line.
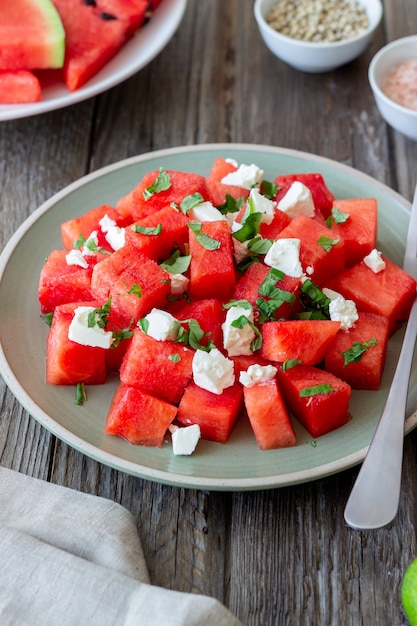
[
  {"x": 223, "y": 297},
  {"x": 62, "y": 41}
]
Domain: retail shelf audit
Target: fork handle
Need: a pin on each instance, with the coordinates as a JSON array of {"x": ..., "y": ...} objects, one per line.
[{"x": 373, "y": 502}]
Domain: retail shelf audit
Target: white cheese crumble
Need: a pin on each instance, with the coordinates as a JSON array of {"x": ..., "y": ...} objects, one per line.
[
  {"x": 115, "y": 235},
  {"x": 284, "y": 255},
  {"x": 184, "y": 440},
  {"x": 341, "y": 310},
  {"x": 179, "y": 284},
  {"x": 298, "y": 200},
  {"x": 80, "y": 332},
  {"x": 374, "y": 261},
  {"x": 213, "y": 371},
  {"x": 237, "y": 340},
  {"x": 246, "y": 176},
  {"x": 75, "y": 257},
  {"x": 240, "y": 248},
  {"x": 261, "y": 204},
  {"x": 205, "y": 212},
  {"x": 162, "y": 326},
  {"x": 257, "y": 374}
]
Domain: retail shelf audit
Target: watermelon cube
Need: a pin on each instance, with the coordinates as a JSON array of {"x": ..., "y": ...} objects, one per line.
[
  {"x": 81, "y": 227},
  {"x": 212, "y": 268},
  {"x": 306, "y": 340},
  {"x": 359, "y": 231},
  {"x": 320, "y": 250},
  {"x": 68, "y": 362},
  {"x": 138, "y": 417},
  {"x": 321, "y": 194},
  {"x": 268, "y": 415},
  {"x": 389, "y": 292},
  {"x": 135, "y": 283},
  {"x": 370, "y": 331},
  {"x": 215, "y": 414},
  {"x": 160, "y": 368},
  {"x": 60, "y": 283},
  {"x": 318, "y": 399},
  {"x": 19, "y": 87},
  {"x": 217, "y": 190},
  {"x": 158, "y": 233}
]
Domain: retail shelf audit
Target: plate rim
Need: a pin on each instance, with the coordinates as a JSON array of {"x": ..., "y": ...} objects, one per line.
[
  {"x": 137, "y": 469},
  {"x": 98, "y": 84}
]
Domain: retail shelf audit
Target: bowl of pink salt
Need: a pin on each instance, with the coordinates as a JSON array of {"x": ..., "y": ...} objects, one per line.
[{"x": 393, "y": 79}]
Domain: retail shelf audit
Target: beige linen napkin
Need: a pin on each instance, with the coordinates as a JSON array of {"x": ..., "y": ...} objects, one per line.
[{"x": 69, "y": 558}]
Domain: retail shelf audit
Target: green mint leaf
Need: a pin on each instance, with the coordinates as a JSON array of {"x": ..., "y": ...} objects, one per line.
[
  {"x": 194, "y": 336},
  {"x": 250, "y": 228},
  {"x": 99, "y": 317},
  {"x": 143, "y": 324},
  {"x": 244, "y": 304},
  {"x": 242, "y": 321},
  {"x": 189, "y": 202},
  {"x": 315, "y": 390},
  {"x": 147, "y": 230},
  {"x": 161, "y": 183},
  {"x": 326, "y": 243},
  {"x": 269, "y": 189},
  {"x": 80, "y": 394},
  {"x": 135, "y": 290},
  {"x": 314, "y": 300},
  {"x": 339, "y": 217},
  {"x": 176, "y": 264},
  {"x": 175, "y": 357},
  {"x": 204, "y": 240},
  {"x": 290, "y": 363},
  {"x": 259, "y": 245},
  {"x": 119, "y": 335},
  {"x": 47, "y": 318},
  {"x": 231, "y": 204},
  {"x": 90, "y": 244},
  {"x": 356, "y": 352}
]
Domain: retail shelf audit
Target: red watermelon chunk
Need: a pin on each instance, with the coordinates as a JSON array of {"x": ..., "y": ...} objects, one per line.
[
  {"x": 215, "y": 414},
  {"x": 95, "y": 32},
  {"x": 135, "y": 283},
  {"x": 212, "y": 270},
  {"x": 268, "y": 416},
  {"x": 217, "y": 190},
  {"x": 359, "y": 231},
  {"x": 321, "y": 194},
  {"x": 138, "y": 417},
  {"x": 208, "y": 313},
  {"x": 68, "y": 362},
  {"x": 82, "y": 227},
  {"x": 60, "y": 283},
  {"x": 160, "y": 368},
  {"x": 145, "y": 201},
  {"x": 306, "y": 340},
  {"x": 390, "y": 292},
  {"x": 168, "y": 227},
  {"x": 19, "y": 87},
  {"x": 319, "y": 248},
  {"x": 365, "y": 373},
  {"x": 318, "y": 411}
]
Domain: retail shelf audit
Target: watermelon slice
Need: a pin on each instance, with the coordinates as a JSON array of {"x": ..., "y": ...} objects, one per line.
[
  {"x": 31, "y": 34},
  {"x": 95, "y": 31}
]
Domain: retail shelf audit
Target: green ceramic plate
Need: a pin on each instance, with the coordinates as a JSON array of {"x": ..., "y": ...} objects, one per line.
[{"x": 239, "y": 464}]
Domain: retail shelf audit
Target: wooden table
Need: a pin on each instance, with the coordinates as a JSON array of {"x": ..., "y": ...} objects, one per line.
[{"x": 279, "y": 556}]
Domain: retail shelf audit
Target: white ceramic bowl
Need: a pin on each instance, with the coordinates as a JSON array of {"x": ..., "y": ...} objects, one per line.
[
  {"x": 316, "y": 57},
  {"x": 401, "y": 118}
]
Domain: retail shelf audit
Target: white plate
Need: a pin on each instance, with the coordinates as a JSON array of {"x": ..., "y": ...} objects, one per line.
[
  {"x": 238, "y": 464},
  {"x": 136, "y": 54}
]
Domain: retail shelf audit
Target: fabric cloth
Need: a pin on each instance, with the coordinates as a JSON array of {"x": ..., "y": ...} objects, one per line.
[{"x": 70, "y": 558}]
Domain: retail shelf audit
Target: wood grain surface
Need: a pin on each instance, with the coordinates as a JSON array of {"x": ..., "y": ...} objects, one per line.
[{"x": 274, "y": 557}]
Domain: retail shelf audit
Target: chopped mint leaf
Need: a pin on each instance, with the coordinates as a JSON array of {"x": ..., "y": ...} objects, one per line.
[
  {"x": 143, "y": 324},
  {"x": 326, "y": 243},
  {"x": 204, "y": 240},
  {"x": 315, "y": 390},
  {"x": 338, "y": 216},
  {"x": 194, "y": 336},
  {"x": 269, "y": 189},
  {"x": 99, "y": 317},
  {"x": 231, "y": 204},
  {"x": 175, "y": 357},
  {"x": 259, "y": 245},
  {"x": 240, "y": 322},
  {"x": 313, "y": 299},
  {"x": 356, "y": 352},
  {"x": 119, "y": 335},
  {"x": 147, "y": 230},
  {"x": 161, "y": 183},
  {"x": 80, "y": 394},
  {"x": 135, "y": 290},
  {"x": 90, "y": 244},
  {"x": 47, "y": 318},
  {"x": 176, "y": 264},
  {"x": 290, "y": 363},
  {"x": 249, "y": 229},
  {"x": 189, "y": 202},
  {"x": 244, "y": 304}
]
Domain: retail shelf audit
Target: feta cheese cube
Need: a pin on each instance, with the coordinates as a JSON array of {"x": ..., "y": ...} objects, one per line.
[
  {"x": 236, "y": 340},
  {"x": 374, "y": 261},
  {"x": 75, "y": 257},
  {"x": 284, "y": 255},
  {"x": 261, "y": 204},
  {"x": 341, "y": 310},
  {"x": 298, "y": 200},
  {"x": 184, "y": 440},
  {"x": 179, "y": 284},
  {"x": 93, "y": 336},
  {"x": 246, "y": 176},
  {"x": 162, "y": 326},
  {"x": 213, "y": 371},
  {"x": 205, "y": 212},
  {"x": 257, "y": 374},
  {"x": 115, "y": 235}
]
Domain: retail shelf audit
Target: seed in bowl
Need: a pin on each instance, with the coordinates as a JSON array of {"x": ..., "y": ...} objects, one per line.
[
  {"x": 401, "y": 84},
  {"x": 318, "y": 20}
]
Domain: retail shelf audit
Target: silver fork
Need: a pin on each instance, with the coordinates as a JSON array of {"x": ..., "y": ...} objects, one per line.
[{"x": 373, "y": 502}]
